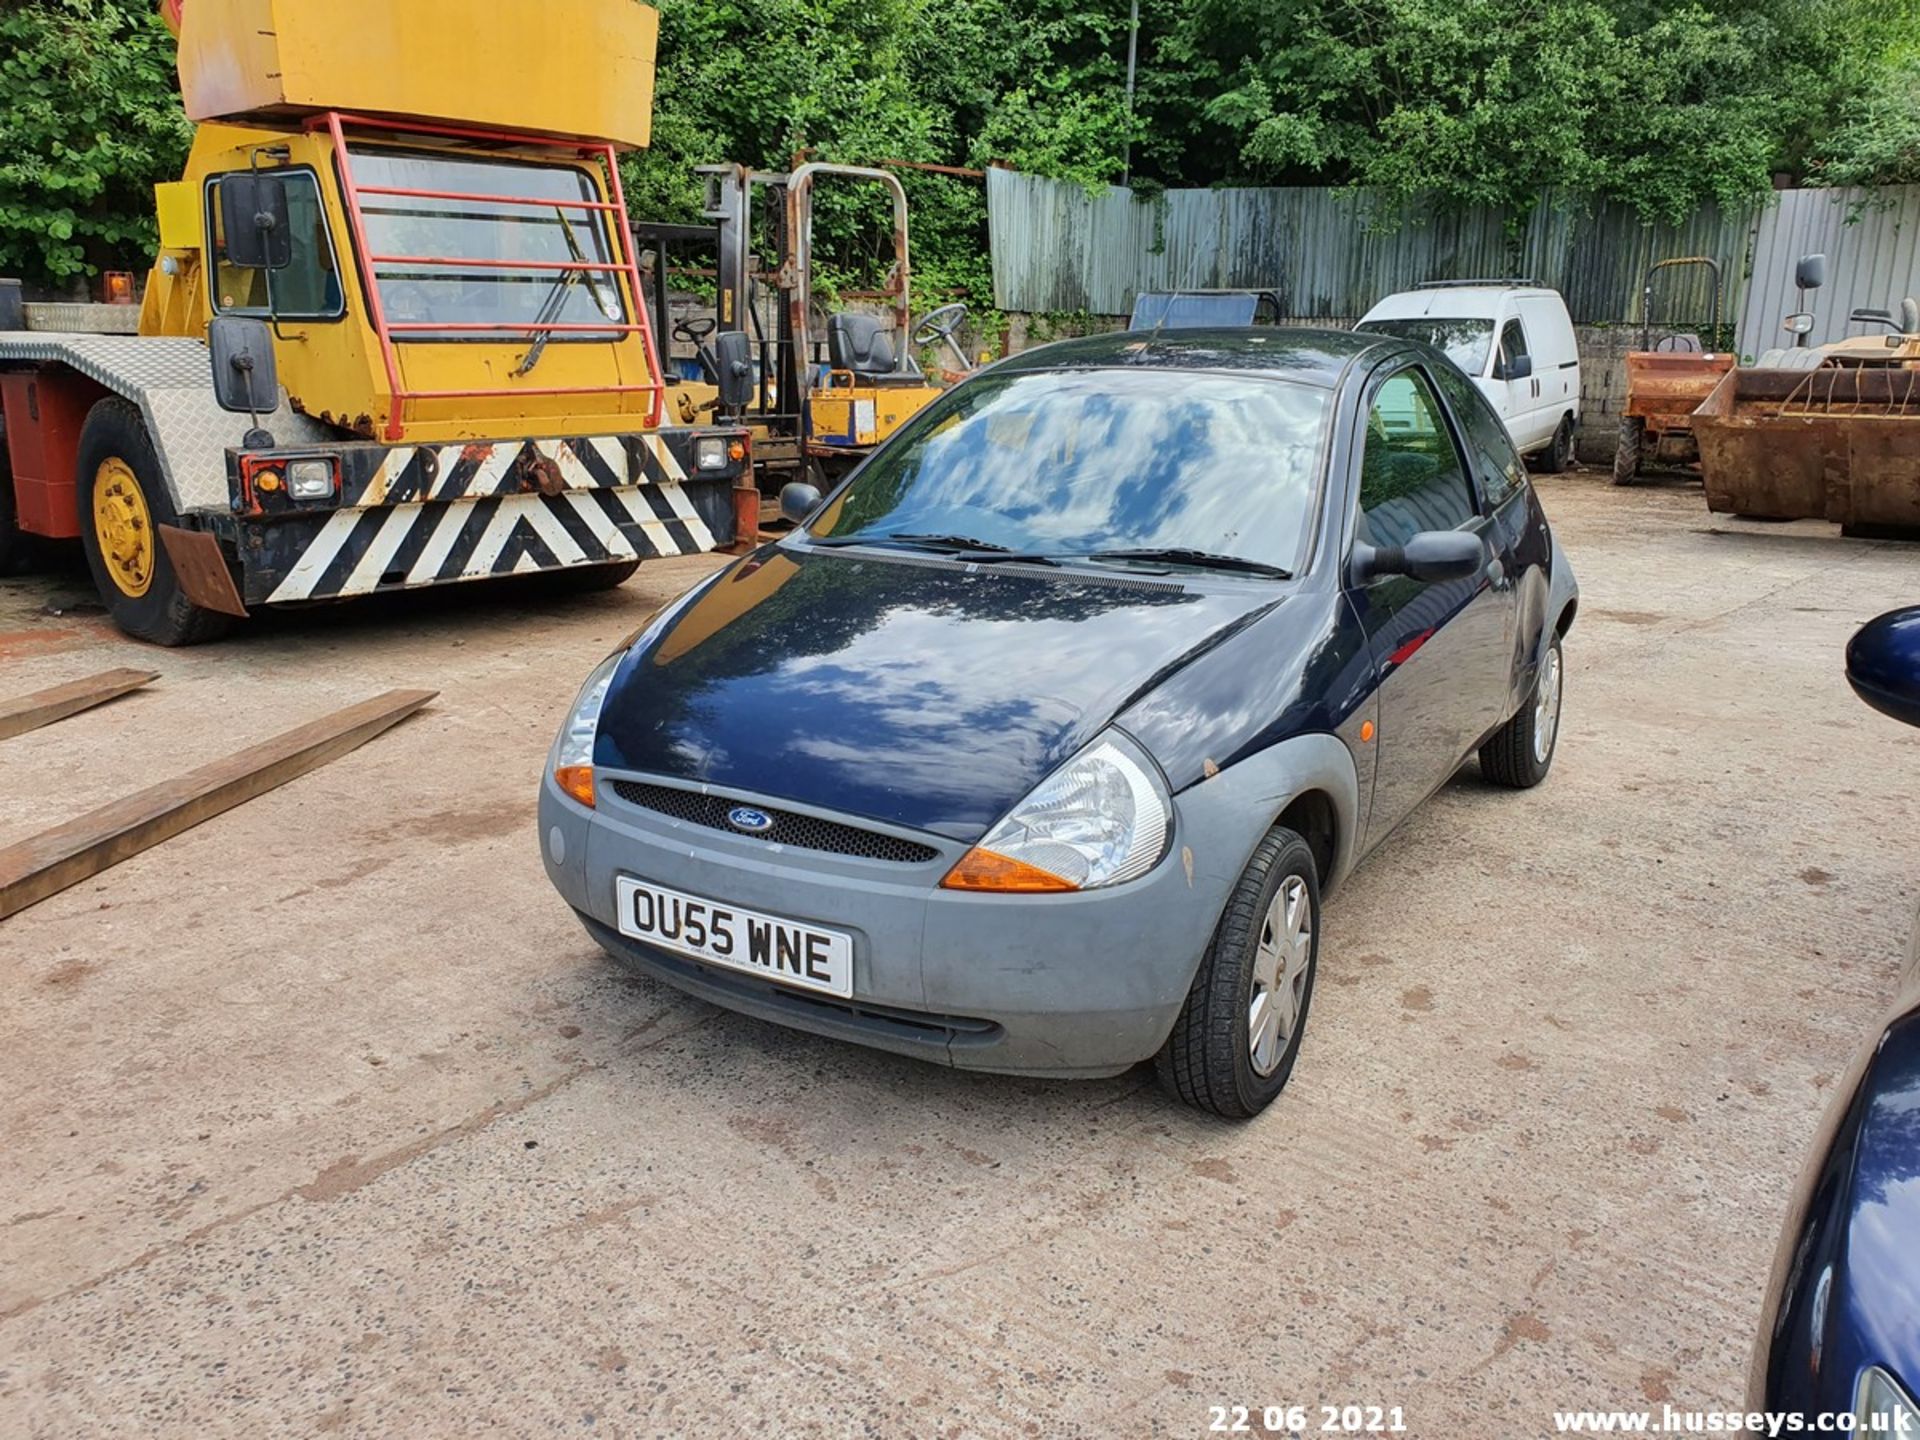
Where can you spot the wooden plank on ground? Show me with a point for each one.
(43, 707)
(47, 863)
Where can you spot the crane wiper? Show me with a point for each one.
(1198, 559)
(556, 298)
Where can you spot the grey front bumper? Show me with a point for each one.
(1081, 984)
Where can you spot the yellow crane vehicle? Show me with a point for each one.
(409, 213)
(827, 389)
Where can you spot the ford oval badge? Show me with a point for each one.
(749, 820)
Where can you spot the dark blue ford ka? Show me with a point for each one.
(1036, 745)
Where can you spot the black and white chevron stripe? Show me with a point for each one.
(396, 546)
(418, 473)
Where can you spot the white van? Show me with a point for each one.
(1514, 338)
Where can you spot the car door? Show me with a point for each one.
(1521, 547)
(1438, 648)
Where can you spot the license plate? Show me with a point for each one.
(805, 956)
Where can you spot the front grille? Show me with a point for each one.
(804, 832)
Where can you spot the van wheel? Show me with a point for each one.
(123, 502)
(1559, 452)
(1626, 450)
(1233, 1047)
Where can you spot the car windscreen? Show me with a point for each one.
(1072, 462)
(1463, 340)
(532, 243)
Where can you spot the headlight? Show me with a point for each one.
(310, 479)
(710, 452)
(1882, 1407)
(1100, 819)
(573, 751)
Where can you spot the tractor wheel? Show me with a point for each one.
(123, 502)
(1626, 452)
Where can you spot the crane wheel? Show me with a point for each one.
(123, 502)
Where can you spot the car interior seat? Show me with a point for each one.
(864, 344)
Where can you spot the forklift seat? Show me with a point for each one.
(863, 344)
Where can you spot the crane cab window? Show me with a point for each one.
(308, 288)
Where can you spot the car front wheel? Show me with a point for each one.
(1233, 1047)
(1521, 751)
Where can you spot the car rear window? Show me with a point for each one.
(1070, 462)
(1463, 340)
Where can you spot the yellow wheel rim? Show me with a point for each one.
(123, 527)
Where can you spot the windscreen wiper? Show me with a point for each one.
(979, 552)
(556, 298)
(1199, 559)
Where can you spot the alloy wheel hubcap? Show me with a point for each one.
(122, 527)
(1279, 975)
(1546, 707)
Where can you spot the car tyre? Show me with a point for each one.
(1521, 751)
(1626, 450)
(137, 580)
(1559, 452)
(1220, 1055)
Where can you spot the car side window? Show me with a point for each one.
(1513, 342)
(1496, 464)
(1411, 475)
(308, 288)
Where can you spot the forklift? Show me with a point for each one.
(822, 397)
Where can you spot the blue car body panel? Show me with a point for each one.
(1847, 1287)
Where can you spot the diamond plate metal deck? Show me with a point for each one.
(169, 379)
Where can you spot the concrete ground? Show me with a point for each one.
(325, 1116)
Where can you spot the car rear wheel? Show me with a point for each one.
(1626, 450)
(1234, 1045)
(123, 504)
(1521, 752)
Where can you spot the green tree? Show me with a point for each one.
(91, 119)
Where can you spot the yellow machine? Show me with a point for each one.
(421, 199)
(828, 394)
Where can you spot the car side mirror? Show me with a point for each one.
(733, 369)
(1811, 272)
(1429, 556)
(798, 500)
(244, 378)
(1518, 368)
(253, 213)
(1883, 664)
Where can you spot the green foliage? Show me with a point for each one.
(91, 120)
(1661, 104)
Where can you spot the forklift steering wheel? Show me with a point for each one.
(939, 324)
(694, 329)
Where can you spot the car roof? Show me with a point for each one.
(1313, 357)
